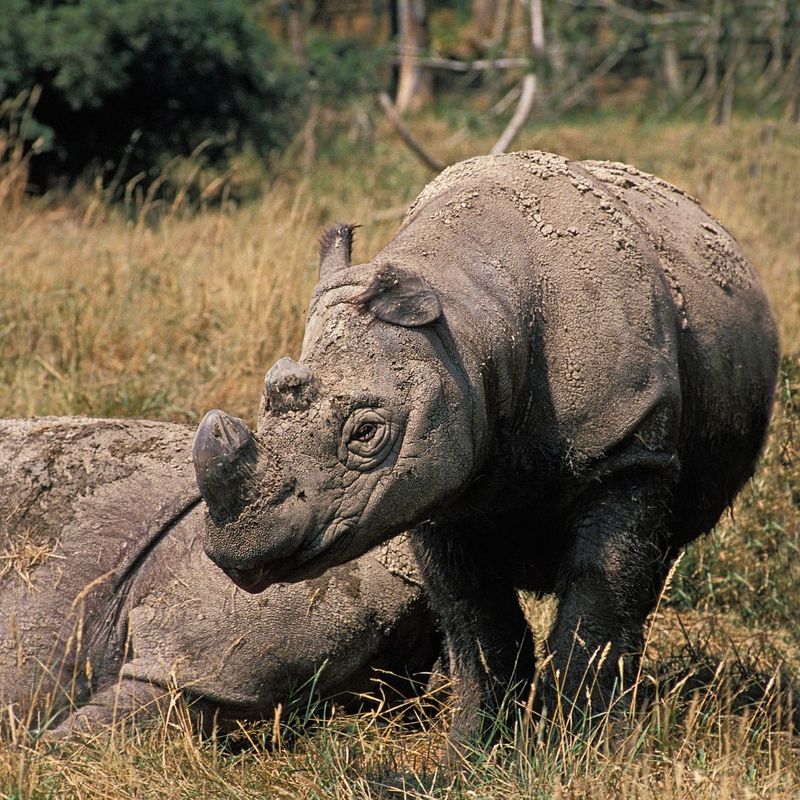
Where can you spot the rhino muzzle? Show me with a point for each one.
(224, 455)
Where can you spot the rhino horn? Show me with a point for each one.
(224, 454)
(335, 248)
(289, 386)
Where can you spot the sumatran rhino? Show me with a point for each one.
(557, 373)
(107, 600)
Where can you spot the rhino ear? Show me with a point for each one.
(335, 248)
(400, 297)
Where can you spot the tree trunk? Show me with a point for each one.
(792, 87)
(483, 13)
(502, 23)
(777, 41)
(414, 83)
(711, 80)
(298, 24)
(673, 75)
(298, 21)
(537, 32)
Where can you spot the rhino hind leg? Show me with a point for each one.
(610, 581)
(489, 642)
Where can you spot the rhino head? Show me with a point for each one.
(369, 434)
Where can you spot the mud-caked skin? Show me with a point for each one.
(556, 373)
(107, 600)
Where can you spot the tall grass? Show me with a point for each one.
(166, 311)
(131, 312)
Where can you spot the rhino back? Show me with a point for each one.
(80, 501)
(728, 353)
(608, 294)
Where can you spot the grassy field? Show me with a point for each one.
(153, 310)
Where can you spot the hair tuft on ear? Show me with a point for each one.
(400, 297)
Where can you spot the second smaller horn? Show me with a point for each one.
(288, 386)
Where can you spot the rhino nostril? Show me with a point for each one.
(284, 492)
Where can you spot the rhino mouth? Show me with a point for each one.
(255, 580)
(307, 563)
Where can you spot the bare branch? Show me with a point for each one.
(603, 68)
(499, 108)
(453, 65)
(405, 134)
(537, 29)
(388, 214)
(505, 102)
(651, 17)
(521, 115)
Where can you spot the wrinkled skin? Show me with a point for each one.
(107, 599)
(557, 373)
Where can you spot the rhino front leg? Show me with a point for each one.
(609, 583)
(490, 646)
(116, 704)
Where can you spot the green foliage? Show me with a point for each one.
(344, 68)
(139, 81)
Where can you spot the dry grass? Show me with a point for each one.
(23, 553)
(154, 312)
(158, 312)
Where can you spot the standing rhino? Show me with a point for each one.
(557, 373)
(107, 599)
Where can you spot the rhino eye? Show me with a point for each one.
(367, 438)
(365, 432)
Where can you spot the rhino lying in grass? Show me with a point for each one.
(107, 599)
(557, 373)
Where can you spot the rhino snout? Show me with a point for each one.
(224, 454)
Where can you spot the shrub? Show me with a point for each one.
(139, 81)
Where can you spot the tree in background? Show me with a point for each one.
(414, 83)
(136, 82)
(129, 84)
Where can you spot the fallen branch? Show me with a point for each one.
(665, 18)
(405, 134)
(528, 92)
(521, 114)
(454, 65)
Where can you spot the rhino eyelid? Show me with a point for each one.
(365, 401)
